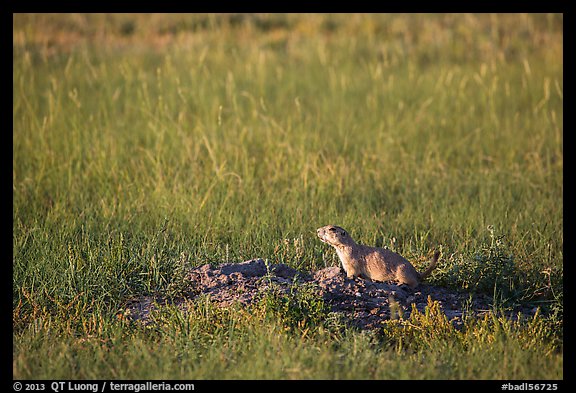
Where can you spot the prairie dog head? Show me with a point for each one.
(335, 236)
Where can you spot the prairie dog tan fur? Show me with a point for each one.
(372, 263)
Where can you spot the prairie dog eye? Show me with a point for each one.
(343, 233)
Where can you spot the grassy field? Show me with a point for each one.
(147, 144)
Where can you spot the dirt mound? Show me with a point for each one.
(364, 304)
(241, 282)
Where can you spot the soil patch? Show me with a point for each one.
(364, 304)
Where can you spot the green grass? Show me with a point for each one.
(146, 144)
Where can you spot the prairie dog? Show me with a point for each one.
(372, 263)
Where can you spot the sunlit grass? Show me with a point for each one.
(145, 142)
